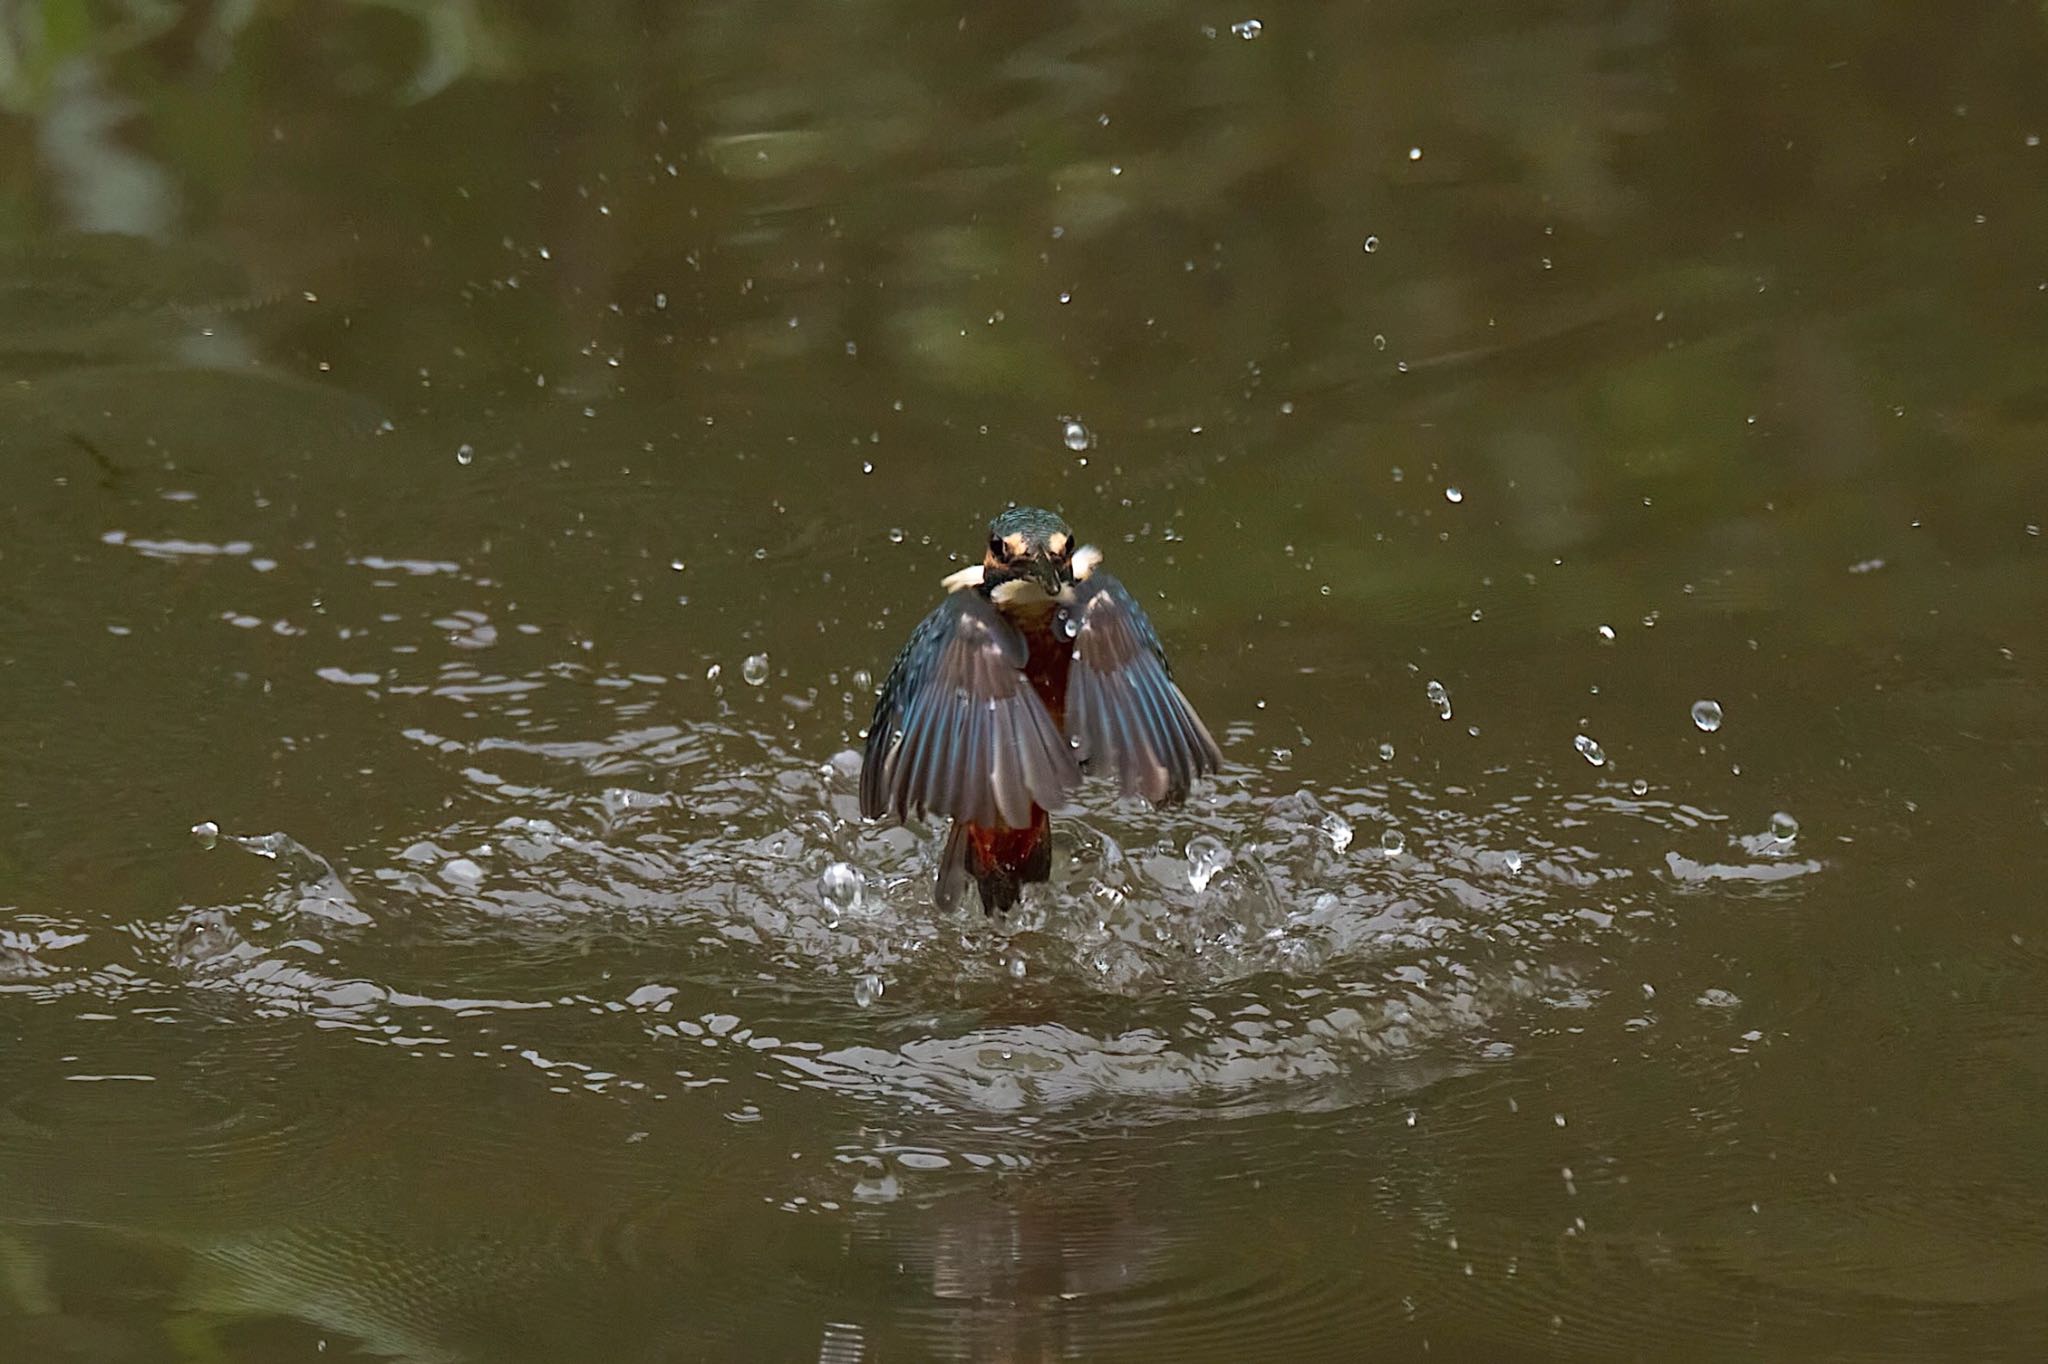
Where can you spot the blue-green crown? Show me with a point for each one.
(1036, 523)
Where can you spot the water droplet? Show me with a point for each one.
(1018, 968)
(1784, 828)
(1247, 29)
(1454, 494)
(895, 535)
(1372, 244)
(755, 669)
(206, 833)
(1415, 153)
(1206, 857)
(1391, 842)
(1338, 830)
(1439, 698)
(1076, 436)
(1069, 626)
(464, 453)
(1639, 787)
(461, 871)
(676, 565)
(1512, 860)
(265, 844)
(1066, 297)
(1386, 753)
(1607, 633)
(867, 990)
(867, 466)
(843, 887)
(1707, 715)
(1590, 751)
(1379, 342)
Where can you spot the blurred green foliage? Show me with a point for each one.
(1654, 252)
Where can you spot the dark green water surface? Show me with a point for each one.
(468, 463)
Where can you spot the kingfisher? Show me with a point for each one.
(1036, 669)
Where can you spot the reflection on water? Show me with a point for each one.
(469, 463)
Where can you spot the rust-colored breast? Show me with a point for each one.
(1052, 654)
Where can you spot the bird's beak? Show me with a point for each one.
(1046, 574)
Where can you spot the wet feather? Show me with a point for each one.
(975, 742)
(1123, 705)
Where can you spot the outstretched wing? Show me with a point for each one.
(959, 731)
(1122, 704)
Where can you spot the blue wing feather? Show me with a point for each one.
(1123, 709)
(956, 702)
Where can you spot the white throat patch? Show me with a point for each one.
(1019, 592)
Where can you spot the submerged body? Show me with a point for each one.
(1036, 669)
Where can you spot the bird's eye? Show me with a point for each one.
(995, 546)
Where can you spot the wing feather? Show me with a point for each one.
(959, 731)
(1123, 708)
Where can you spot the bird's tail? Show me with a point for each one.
(1001, 861)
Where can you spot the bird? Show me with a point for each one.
(1035, 669)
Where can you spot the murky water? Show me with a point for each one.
(468, 466)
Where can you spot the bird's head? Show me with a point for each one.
(1031, 548)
